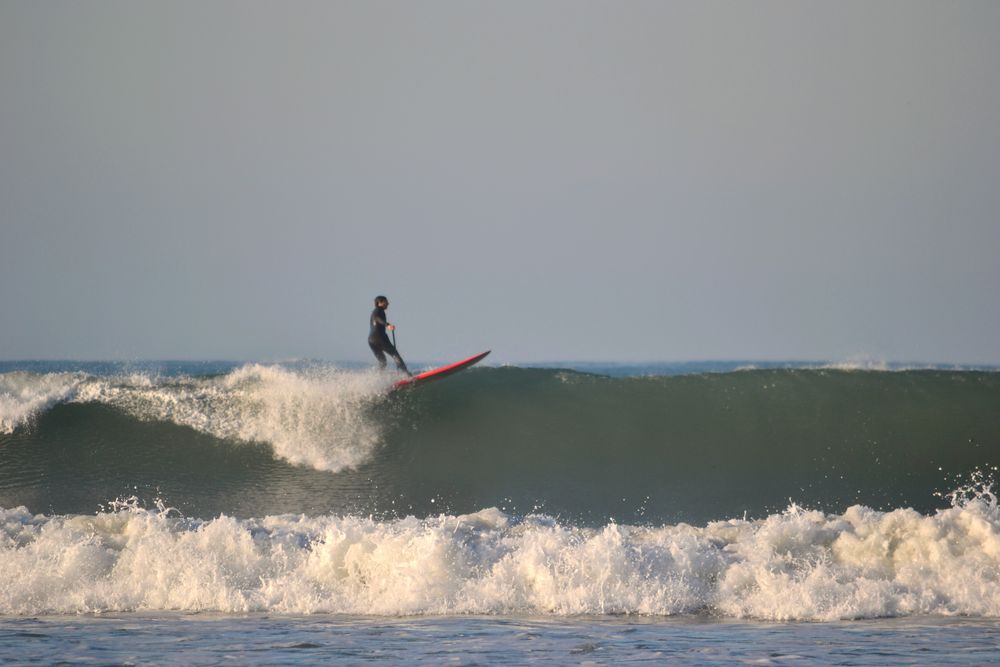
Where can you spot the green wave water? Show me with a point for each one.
(585, 448)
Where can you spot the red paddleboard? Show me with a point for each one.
(444, 371)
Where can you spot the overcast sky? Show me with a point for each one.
(554, 180)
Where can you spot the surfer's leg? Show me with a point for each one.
(391, 350)
(379, 354)
(400, 365)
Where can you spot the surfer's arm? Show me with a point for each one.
(380, 319)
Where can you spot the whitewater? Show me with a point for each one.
(309, 417)
(797, 565)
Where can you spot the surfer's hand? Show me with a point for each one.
(390, 327)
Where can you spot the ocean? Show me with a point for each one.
(300, 512)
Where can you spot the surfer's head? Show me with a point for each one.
(381, 302)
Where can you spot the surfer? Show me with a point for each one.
(378, 341)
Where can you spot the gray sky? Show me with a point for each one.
(553, 180)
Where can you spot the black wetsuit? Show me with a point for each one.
(379, 342)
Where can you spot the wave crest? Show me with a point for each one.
(24, 395)
(315, 417)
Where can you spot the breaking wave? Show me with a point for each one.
(315, 417)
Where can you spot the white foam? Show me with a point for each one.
(313, 417)
(859, 364)
(316, 417)
(795, 565)
(23, 395)
(877, 365)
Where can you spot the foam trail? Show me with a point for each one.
(794, 565)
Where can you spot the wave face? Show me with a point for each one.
(798, 564)
(259, 440)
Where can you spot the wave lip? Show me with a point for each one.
(796, 565)
(315, 416)
(311, 417)
(24, 395)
